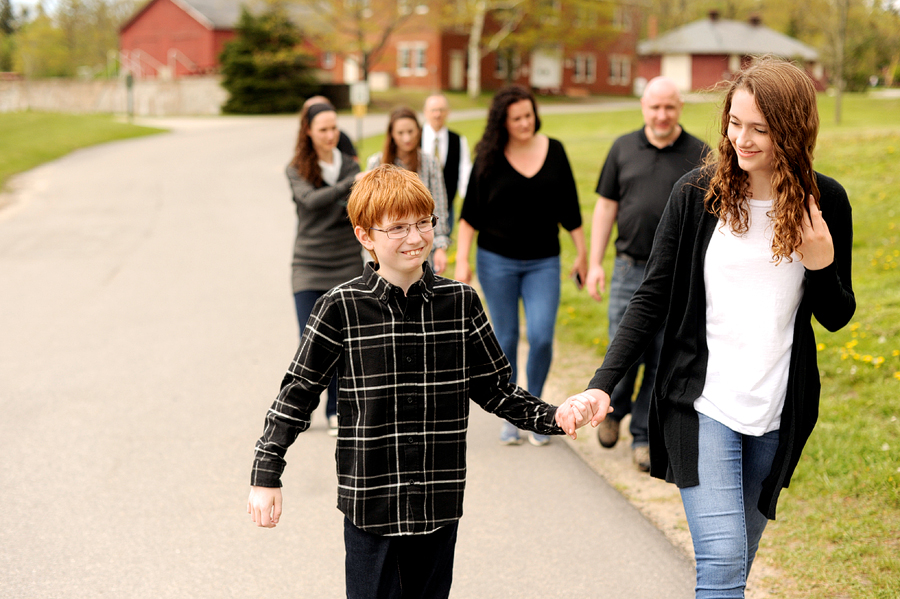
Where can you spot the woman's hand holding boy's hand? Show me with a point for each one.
(588, 406)
(264, 506)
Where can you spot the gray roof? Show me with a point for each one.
(721, 36)
(221, 14)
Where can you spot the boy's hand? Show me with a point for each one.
(264, 506)
(591, 405)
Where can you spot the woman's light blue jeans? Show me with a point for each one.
(721, 511)
(503, 281)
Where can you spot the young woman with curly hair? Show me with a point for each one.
(749, 249)
(326, 252)
(520, 192)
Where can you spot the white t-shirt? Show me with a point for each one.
(751, 306)
(330, 172)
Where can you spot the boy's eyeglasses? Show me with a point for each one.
(400, 231)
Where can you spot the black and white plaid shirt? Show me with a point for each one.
(407, 367)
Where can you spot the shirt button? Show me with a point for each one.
(408, 359)
(409, 400)
(412, 439)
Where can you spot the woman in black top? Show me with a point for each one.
(521, 190)
(748, 250)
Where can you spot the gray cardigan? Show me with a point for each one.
(673, 291)
(326, 252)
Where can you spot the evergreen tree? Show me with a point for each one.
(264, 68)
(7, 19)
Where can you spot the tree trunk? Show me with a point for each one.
(843, 7)
(473, 72)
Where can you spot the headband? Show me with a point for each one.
(317, 109)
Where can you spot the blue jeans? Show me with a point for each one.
(536, 282)
(626, 278)
(407, 567)
(722, 512)
(304, 301)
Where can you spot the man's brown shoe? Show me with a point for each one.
(608, 432)
(640, 455)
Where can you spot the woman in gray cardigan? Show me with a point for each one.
(326, 252)
(748, 251)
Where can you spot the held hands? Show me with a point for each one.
(264, 506)
(591, 405)
(816, 246)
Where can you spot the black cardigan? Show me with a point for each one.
(673, 291)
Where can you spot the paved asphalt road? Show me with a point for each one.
(145, 323)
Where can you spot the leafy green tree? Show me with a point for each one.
(7, 18)
(77, 34)
(7, 41)
(264, 67)
(525, 25)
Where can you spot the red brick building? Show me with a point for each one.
(174, 38)
(424, 55)
(701, 54)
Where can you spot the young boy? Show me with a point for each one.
(410, 350)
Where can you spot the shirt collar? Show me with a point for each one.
(382, 289)
(646, 142)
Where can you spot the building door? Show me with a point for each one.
(546, 68)
(457, 70)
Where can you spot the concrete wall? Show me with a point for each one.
(150, 97)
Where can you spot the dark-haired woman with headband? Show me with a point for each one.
(326, 252)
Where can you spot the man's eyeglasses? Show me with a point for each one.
(400, 231)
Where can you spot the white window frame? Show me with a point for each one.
(585, 68)
(622, 18)
(412, 59)
(619, 70)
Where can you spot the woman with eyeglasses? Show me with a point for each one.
(326, 252)
(520, 192)
(402, 148)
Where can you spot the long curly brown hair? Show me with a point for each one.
(786, 97)
(389, 151)
(495, 137)
(305, 159)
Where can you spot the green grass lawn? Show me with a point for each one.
(33, 138)
(838, 527)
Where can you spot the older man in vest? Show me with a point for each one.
(450, 148)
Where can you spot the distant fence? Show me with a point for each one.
(201, 95)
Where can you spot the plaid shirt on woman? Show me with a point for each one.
(407, 366)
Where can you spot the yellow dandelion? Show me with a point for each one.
(895, 353)
(820, 347)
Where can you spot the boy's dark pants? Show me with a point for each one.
(408, 567)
